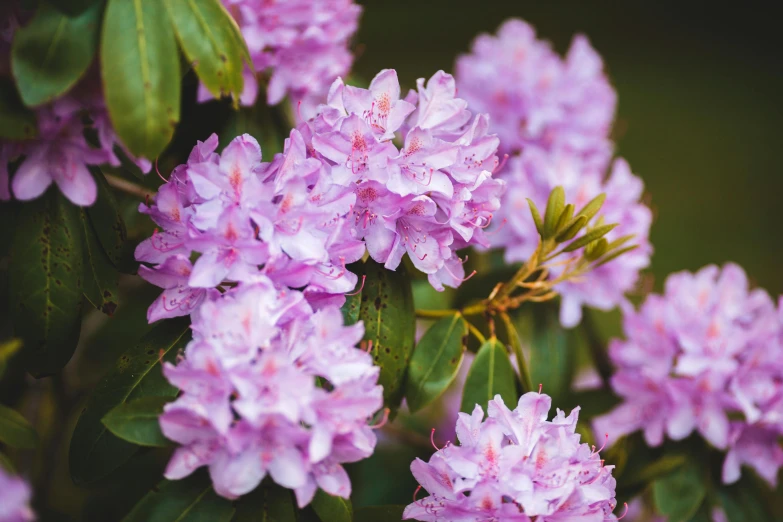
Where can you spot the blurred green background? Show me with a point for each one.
(699, 106)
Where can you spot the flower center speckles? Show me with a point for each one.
(367, 194)
(286, 203)
(235, 179)
(413, 147)
(417, 210)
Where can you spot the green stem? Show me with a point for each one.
(530, 266)
(475, 309)
(516, 346)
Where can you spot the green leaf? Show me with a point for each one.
(490, 374)
(592, 207)
(15, 430)
(536, 216)
(188, 500)
(660, 467)
(100, 276)
(7, 350)
(551, 360)
(94, 451)
(617, 253)
(207, 35)
(52, 52)
(353, 300)
(46, 281)
(267, 503)
(332, 509)
(554, 208)
(109, 226)
(6, 464)
(436, 361)
(390, 324)
(17, 122)
(589, 237)
(379, 514)
(141, 77)
(572, 229)
(742, 502)
(679, 494)
(137, 421)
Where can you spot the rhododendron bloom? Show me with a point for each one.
(14, 499)
(534, 97)
(271, 387)
(340, 186)
(514, 465)
(303, 44)
(705, 356)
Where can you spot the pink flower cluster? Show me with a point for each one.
(554, 117)
(340, 186)
(304, 44)
(514, 465)
(269, 386)
(240, 214)
(536, 98)
(60, 152)
(706, 356)
(14, 499)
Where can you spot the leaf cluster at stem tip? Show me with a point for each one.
(561, 224)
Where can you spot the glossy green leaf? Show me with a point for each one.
(742, 501)
(390, 324)
(15, 431)
(679, 494)
(52, 52)
(7, 350)
(267, 503)
(207, 35)
(551, 359)
(141, 77)
(490, 374)
(137, 421)
(100, 276)
(46, 281)
(17, 122)
(379, 514)
(109, 226)
(188, 500)
(94, 451)
(332, 509)
(436, 361)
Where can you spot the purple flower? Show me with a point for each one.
(706, 357)
(271, 387)
(429, 198)
(60, 154)
(14, 499)
(304, 44)
(534, 97)
(339, 188)
(514, 465)
(533, 175)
